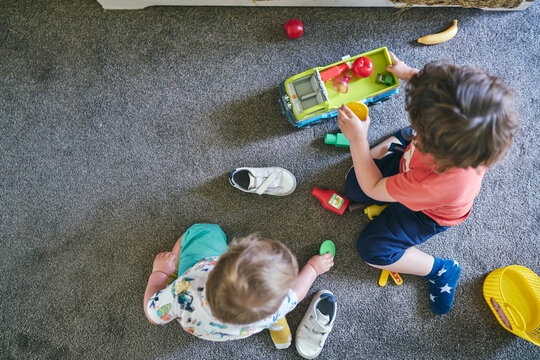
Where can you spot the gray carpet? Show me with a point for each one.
(118, 130)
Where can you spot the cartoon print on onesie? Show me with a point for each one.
(180, 289)
(154, 299)
(213, 332)
(218, 325)
(194, 322)
(162, 312)
(247, 331)
(204, 264)
(202, 295)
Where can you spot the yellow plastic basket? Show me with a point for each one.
(513, 294)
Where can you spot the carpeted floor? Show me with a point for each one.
(118, 130)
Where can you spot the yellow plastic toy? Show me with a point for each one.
(513, 294)
(374, 210)
(359, 109)
(281, 336)
(172, 277)
(383, 279)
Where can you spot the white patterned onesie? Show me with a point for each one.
(185, 300)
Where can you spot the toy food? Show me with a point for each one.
(341, 84)
(383, 279)
(328, 246)
(335, 71)
(394, 275)
(359, 109)
(440, 37)
(294, 28)
(362, 67)
(331, 200)
(374, 210)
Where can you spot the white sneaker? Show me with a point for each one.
(268, 180)
(316, 325)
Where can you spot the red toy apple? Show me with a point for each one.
(294, 28)
(362, 67)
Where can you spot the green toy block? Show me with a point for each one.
(339, 140)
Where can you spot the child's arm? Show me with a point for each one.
(400, 69)
(367, 173)
(317, 265)
(164, 266)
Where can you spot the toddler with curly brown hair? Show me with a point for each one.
(462, 122)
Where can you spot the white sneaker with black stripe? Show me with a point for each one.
(265, 180)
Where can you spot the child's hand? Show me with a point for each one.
(321, 263)
(351, 126)
(165, 263)
(400, 69)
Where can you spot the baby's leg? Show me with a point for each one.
(388, 243)
(443, 276)
(177, 249)
(413, 261)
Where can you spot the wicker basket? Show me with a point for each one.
(465, 3)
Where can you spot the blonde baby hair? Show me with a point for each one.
(250, 280)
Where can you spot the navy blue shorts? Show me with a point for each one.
(397, 228)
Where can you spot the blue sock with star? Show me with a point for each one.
(443, 280)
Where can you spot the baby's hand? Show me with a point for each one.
(165, 262)
(351, 126)
(321, 263)
(400, 69)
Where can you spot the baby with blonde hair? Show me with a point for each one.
(227, 293)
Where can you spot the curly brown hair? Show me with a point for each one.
(250, 280)
(463, 116)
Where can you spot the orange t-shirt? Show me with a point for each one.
(447, 198)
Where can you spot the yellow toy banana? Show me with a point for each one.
(440, 37)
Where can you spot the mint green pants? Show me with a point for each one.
(199, 242)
